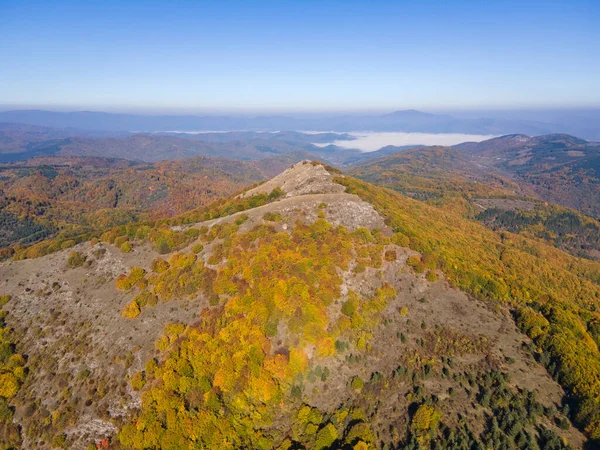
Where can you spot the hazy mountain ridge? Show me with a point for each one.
(408, 120)
(19, 143)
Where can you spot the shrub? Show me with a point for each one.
(431, 276)
(4, 299)
(326, 437)
(125, 247)
(363, 235)
(426, 418)
(126, 282)
(272, 217)
(192, 233)
(415, 263)
(276, 193)
(390, 255)
(326, 347)
(145, 298)
(6, 253)
(9, 385)
(404, 311)
(182, 259)
(401, 240)
(197, 248)
(109, 236)
(131, 310)
(165, 240)
(75, 259)
(563, 423)
(349, 307)
(341, 346)
(159, 265)
(241, 219)
(120, 241)
(67, 244)
(99, 253)
(59, 441)
(357, 383)
(532, 322)
(138, 381)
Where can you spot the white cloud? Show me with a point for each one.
(371, 141)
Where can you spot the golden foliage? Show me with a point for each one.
(219, 381)
(426, 418)
(514, 269)
(131, 310)
(126, 282)
(9, 385)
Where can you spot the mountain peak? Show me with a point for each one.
(559, 138)
(409, 113)
(305, 177)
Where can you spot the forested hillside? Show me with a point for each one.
(329, 314)
(558, 168)
(441, 175)
(69, 197)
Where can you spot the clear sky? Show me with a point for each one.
(191, 56)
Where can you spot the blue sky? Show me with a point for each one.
(192, 56)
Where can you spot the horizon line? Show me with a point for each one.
(170, 111)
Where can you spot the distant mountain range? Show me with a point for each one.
(558, 168)
(20, 142)
(578, 123)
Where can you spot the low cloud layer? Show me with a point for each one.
(371, 141)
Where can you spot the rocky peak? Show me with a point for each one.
(302, 178)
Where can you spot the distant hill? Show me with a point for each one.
(559, 168)
(433, 172)
(287, 136)
(369, 156)
(403, 120)
(501, 200)
(72, 195)
(21, 142)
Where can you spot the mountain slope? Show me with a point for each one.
(433, 172)
(559, 168)
(448, 176)
(46, 197)
(315, 311)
